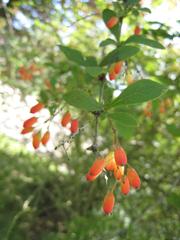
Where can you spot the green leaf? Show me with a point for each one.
(121, 53)
(90, 61)
(94, 71)
(106, 42)
(145, 41)
(73, 54)
(107, 14)
(174, 130)
(123, 118)
(138, 92)
(174, 199)
(123, 131)
(81, 100)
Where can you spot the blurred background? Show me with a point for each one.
(44, 194)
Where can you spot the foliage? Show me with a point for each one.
(64, 58)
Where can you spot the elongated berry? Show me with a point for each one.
(74, 126)
(90, 177)
(45, 138)
(112, 76)
(118, 67)
(110, 162)
(36, 108)
(133, 177)
(97, 167)
(27, 130)
(120, 156)
(112, 22)
(137, 30)
(29, 122)
(108, 203)
(118, 172)
(125, 186)
(36, 140)
(66, 119)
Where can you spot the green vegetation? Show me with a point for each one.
(60, 54)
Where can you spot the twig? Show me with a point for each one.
(82, 18)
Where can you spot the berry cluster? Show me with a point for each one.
(27, 73)
(29, 126)
(163, 106)
(124, 175)
(115, 69)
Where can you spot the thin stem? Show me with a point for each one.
(97, 114)
(82, 18)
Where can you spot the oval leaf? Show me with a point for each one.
(123, 118)
(121, 53)
(145, 41)
(94, 71)
(107, 14)
(106, 42)
(73, 54)
(138, 92)
(123, 131)
(81, 100)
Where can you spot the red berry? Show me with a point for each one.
(97, 167)
(36, 108)
(137, 30)
(90, 177)
(120, 156)
(118, 67)
(125, 186)
(112, 22)
(29, 122)
(36, 140)
(27, 130)
(66, 119)
(74, 126)
(108, 203)
(112, 76)
(133, 177)
(45, 138)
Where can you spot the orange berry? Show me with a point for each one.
(120, 156)
(108, 203)
(74, 126)
(97, 167)
(118, 173)
(125, 186)
(66, 119)
(110, 162)
(137, 30)
(90, 177)
(36, 139)
(45, 138)
(112, 76)
(118, 67)
(112, 22)
(133, 177)
(147, 113)
(22, 71)
(27, 130)
(36, 108)
(29, 122)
